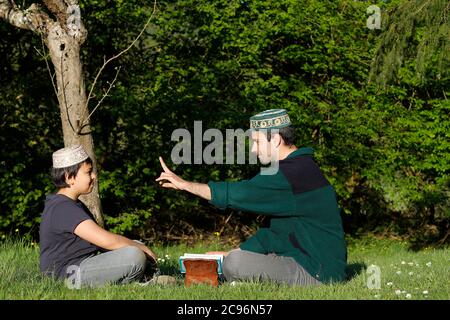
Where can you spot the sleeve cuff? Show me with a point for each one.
(76, 224)
(219, 194)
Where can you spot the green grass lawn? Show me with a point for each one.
(404, 275)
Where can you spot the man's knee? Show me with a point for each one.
(231, 264)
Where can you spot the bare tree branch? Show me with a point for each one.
(111, 59)
(63, 89)
(44, 56)
(100, 102)
(33, 18)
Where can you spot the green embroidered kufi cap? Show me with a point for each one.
(270, 119)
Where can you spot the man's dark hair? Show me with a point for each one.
(59, 174)
(287, 133)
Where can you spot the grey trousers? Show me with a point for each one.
(119, 266)
(246, 265)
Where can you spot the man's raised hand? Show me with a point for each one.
(168, 179)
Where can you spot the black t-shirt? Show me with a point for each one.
(59, 246)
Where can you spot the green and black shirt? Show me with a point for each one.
(305, 221)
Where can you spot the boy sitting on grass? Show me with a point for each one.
(70, 239)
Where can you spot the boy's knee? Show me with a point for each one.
(231, 264)
(135, 254)
(136, 258)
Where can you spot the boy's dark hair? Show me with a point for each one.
(59, 174)
(287, 133)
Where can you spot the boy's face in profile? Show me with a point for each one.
(83, 182)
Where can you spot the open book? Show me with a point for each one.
(201, 256)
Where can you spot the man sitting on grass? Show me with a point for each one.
(304, 242)
(71, 242)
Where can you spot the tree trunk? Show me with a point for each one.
(65, 55)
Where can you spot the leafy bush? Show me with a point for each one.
(385, 151)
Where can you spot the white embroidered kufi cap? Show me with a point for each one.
(69, 156)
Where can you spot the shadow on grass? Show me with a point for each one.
(354, 269)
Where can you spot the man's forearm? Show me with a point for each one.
(199, 189)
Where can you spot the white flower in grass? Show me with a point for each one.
(410, 263)
(389, 284)
(377, 296)
(403, 291)
(428, 264)
(167, 256)
(425, 292)
(403, 262)
(398, 292)
(410, 273)
(408, 296)
(398, 272)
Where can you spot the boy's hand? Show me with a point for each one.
(151, 255)
(168, 179)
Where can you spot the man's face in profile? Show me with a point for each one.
(264, 149)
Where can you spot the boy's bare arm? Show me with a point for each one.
(168, 179)
(93, 233)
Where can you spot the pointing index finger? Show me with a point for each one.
(164, 165)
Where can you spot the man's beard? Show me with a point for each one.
(265, 160)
